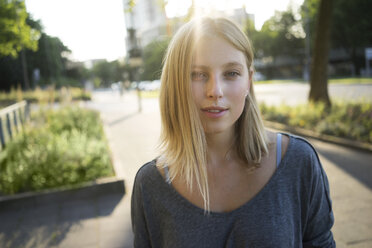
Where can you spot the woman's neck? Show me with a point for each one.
(220, 147)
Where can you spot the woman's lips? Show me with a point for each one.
(214, 112)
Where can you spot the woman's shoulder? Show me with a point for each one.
(146, 172)
(302, 155)
(299, 146)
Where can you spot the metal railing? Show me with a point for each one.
(12, 120)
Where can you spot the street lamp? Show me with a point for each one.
(134, 52)
(307, 43)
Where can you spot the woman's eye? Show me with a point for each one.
(199, 76)
(232, 74)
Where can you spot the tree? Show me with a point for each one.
(50, 57)
(152, 57)
(49, 60)
(254, 37)
(15, 34)
(319, 63)
(282, 34)
(352, 29)
(281, 37)
(108, 72)
(78, 72)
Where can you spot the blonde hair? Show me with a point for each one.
(183, 143)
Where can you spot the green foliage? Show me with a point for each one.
(346, 120)
(15, 34)
(279, 43)
(351, 80)
(281, 35)
(309, 13)
(351, 27)
(49, 58)
(42, 96)
(59, 82)
(67, 147)
(153, 55)
(357, 33)
(78, 72)
(108, 72)
(130, 4)
(347, 80)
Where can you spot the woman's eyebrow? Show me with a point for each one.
(234, 64)
(201, 66)
(230, 64)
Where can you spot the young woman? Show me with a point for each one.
(221, 179)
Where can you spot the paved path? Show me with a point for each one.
(132, 136)
(105, 221)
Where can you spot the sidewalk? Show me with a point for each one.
(104, 220)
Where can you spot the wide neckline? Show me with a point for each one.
(186, 203)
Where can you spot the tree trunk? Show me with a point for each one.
(26, 82)
(318, 76)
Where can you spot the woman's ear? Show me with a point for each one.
(250, 72)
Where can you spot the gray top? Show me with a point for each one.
(292, 210)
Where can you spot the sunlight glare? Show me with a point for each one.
(262, 9)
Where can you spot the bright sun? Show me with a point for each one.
(262, 9)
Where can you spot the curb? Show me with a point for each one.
(323, 137)
(97, 188)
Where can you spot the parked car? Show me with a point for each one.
(149, 86)
(143, 85)
(258, 76)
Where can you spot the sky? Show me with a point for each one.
(95, 29)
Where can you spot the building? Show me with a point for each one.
(145, 21)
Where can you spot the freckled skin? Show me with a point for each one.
(220, 77)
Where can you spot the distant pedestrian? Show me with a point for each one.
(222, 179)
(121, 89)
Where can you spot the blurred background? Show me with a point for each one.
(79, 85)
(97, 43)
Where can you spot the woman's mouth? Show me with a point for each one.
(214, 112)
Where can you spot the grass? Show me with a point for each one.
(350, 80)
(347, 120)
(150, 94)
(48, 95)
(64, 147)
(279, 81)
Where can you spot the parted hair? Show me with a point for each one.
(183, 145)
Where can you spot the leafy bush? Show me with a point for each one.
(347, 120)
(66, 147)
(43, 96)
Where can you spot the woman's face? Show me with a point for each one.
(220, 82)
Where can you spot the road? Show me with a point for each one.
(297, 93)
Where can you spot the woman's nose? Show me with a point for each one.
(214, 87)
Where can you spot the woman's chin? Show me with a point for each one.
(215, 130)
